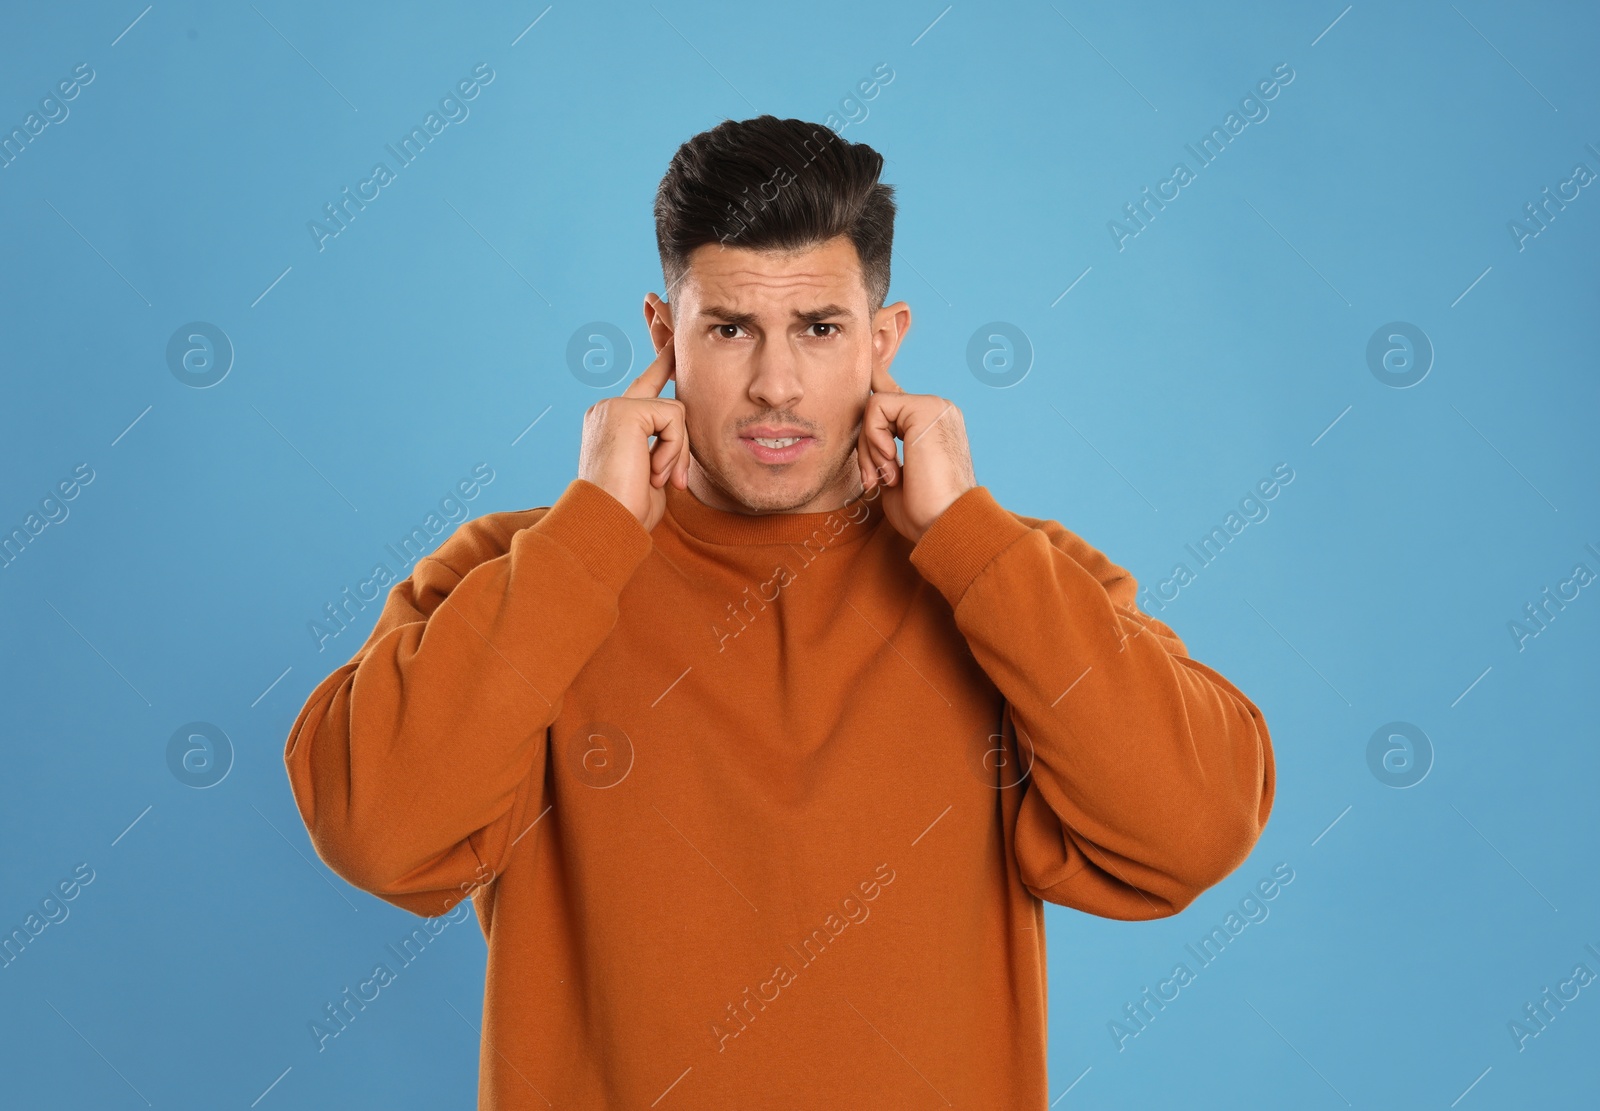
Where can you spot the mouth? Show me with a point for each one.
(784, 449)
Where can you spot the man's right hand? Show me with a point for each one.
(617, 455)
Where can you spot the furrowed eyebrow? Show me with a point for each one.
(824, 313)
(748, 319)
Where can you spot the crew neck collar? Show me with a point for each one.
(717, 526)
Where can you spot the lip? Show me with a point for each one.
(776, 455)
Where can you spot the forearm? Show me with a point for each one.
(1152, 775)
(426, 735)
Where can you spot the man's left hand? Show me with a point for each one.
(938, 461)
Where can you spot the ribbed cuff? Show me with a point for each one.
(965, 539)
(599, 531)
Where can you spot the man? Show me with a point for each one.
(761, 748)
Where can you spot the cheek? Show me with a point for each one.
(699, 431)
(706, 418)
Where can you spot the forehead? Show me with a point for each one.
(746, 278)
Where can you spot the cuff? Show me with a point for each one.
(965, 539)
(599, 531)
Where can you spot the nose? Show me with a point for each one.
(775, 383)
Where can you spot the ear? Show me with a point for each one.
(889, 326)
(658, 318)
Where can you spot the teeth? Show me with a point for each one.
(777, 443)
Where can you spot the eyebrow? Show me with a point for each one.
(748, 319)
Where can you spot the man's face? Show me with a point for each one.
(780, 344)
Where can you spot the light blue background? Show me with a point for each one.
(1226, 338)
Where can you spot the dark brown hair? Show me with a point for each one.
(766, 183)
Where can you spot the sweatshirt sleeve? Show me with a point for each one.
(1152, 775)
(416, 764)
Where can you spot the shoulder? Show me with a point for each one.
(483, 538)
(1082, 551)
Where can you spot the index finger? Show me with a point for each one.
(882, 382)
(654, 378)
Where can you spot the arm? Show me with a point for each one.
(1153, 775)
(416, 764)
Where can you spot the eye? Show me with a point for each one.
(830, 335)
(719, 327)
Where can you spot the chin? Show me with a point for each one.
(772, 492)
(777, 496)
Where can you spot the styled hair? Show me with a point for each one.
(766, 183)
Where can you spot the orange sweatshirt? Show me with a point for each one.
(761, 810)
